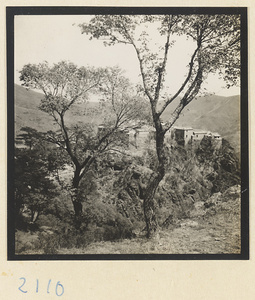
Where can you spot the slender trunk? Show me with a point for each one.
(34, 217)
(80, 171)
(76, 202)
(150, 205)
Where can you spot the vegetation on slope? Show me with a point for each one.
(193, 192)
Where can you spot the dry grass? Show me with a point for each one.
(212, 234)
(216, 230)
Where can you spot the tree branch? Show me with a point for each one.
(146, 89)
(188, 96)
(67, 142)
(191, 64)
(161, 69)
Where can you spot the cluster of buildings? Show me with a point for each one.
(184, 135)
(141, 137)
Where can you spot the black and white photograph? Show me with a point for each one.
(127, 133)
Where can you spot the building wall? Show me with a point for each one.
(188, 134)
(198, 136)
(184, 135)
(179, 136)
(144, 137)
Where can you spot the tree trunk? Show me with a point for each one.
(150, 205)
(34, 217)
(76, 202)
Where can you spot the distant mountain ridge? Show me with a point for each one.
(27, 112)
(212, 113)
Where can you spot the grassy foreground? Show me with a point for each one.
(215, 230)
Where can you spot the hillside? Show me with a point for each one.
(26, 104)
(198, 208)
(198, 200)
(27, 112)
(213, 113)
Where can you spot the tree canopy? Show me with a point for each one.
(215, 47)
(65, 85)
(216, 43)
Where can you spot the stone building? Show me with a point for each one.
(143, 137)
(183, 135)
(198, 135)
(121, 136)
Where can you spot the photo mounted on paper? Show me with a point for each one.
(128, 133)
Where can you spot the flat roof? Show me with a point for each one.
(200, 132)
(183, 128)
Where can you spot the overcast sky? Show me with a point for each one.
(55, 38)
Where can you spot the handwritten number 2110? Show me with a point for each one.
(59, 290)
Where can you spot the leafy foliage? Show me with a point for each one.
(116, 192)
(34, 190)
(216, 48)
(65, 85)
